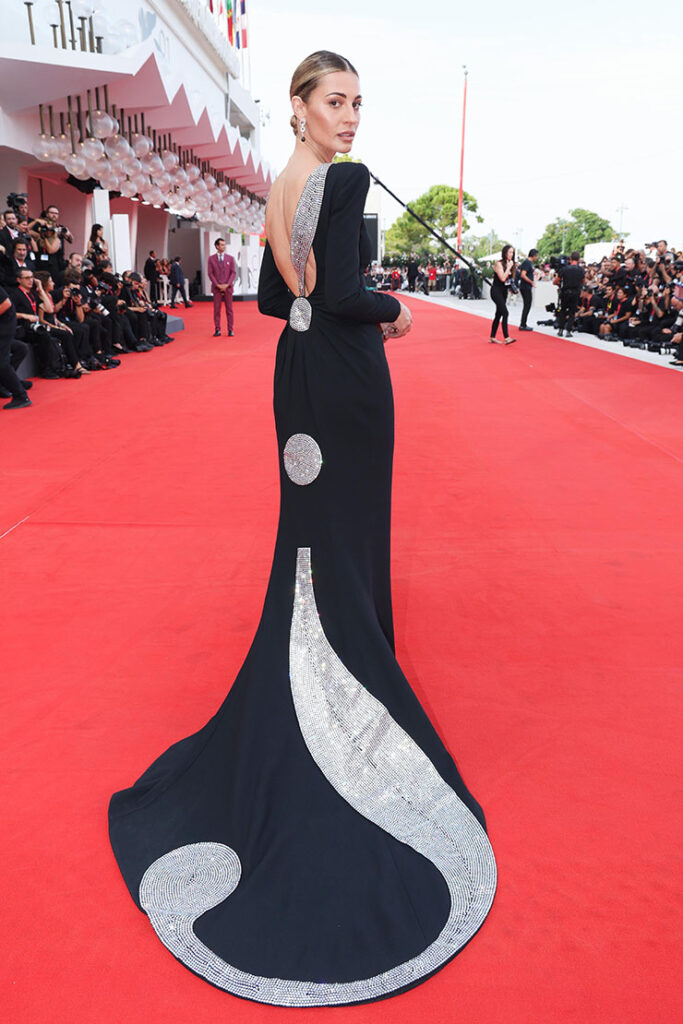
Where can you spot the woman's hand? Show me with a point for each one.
(401, 325)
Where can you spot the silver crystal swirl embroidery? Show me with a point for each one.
(303, 232)
(302, 458)
(381, 772)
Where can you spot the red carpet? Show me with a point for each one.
(537, 585)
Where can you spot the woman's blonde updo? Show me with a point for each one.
(310, 71)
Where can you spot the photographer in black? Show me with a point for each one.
(10, 384)
(153, 320)
(49, 355)
(50, 237)
(59, 330)
(569, 280)
(526, 286)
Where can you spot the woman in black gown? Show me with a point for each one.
(314, 844)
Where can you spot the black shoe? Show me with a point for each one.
(560, 334)
(525, 328)
(172, 306)
(27, 384)
(50, 375)
(168, 338)
(4, 393)
(231, 334)
(19, 403)
(110, 361)
(217, 333)
(188, 305)
(145, 346)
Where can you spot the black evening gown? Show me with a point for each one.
(314, 844)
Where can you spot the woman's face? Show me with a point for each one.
(332, 112)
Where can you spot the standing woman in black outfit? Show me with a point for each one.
(503, 277)
(314, 844)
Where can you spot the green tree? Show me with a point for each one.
(439, 207)
(478, 246)
(576, 232)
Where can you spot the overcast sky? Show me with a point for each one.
(572, 104)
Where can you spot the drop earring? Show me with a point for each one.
(302, 128)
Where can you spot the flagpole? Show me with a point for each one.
(462, 160)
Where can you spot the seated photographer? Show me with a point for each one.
(122, 323)
(59, 330)
(49, 355)
(73, 306)
(94, 309)
(591, 304)
(11, 386)
(618, 312)
(156, 318)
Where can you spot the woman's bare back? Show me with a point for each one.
(282, 203)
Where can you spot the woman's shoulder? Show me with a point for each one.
(349, 179)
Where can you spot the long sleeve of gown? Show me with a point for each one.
(274, 297)
(345, 292)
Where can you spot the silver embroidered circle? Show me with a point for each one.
(302, 458)
(300, 314)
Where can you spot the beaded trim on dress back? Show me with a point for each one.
(303, 232)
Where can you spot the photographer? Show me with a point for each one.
(10, 383)
(50, 237)
(569, 278)
(155, 318)
(58, 330)
(526, 286)
(97, 250)
(619, 311)
(26, 301)
(111, 298)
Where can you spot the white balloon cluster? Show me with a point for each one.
(132, 167)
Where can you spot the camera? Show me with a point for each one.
(16, 199)
(557, 262)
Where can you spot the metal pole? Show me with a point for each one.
(462, 160)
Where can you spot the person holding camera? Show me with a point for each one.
(570, 279)
(504, 274)
(97, 249)
(50, 237)
(526, 286)
(26, 300)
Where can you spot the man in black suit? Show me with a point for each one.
(412, 272)
(19, 259)
(9, 232)
(152, 275)
(526, 286)
(570, 279)
(177, 281)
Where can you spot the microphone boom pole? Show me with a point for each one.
(429, 228)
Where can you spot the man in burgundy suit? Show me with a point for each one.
(222, 276)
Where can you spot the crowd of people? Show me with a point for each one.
(633, 297)
(415, 275)
(74, 312)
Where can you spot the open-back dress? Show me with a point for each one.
(314, 843)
